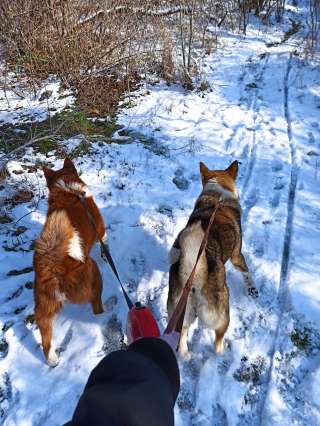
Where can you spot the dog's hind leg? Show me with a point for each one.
(44, 320)
(97, 286)
(175, 288)
(219, 341)
(175, 291)
(175, 251)
(239, 262)
(216, 312)
(183, 343)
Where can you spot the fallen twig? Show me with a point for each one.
(7, 157)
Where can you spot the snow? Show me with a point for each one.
(22, 106)
(262, 109)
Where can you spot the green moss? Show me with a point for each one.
(204, 86)
(128, 104)
(250, 371)
(36, 58)
(30, 319)
(46, 146)
(4, 218)
(301, 338)
(72, 122)
(82, 149)
(134, 136)
(77, 122)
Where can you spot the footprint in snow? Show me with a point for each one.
(180, 180)
(279, 183)
(311, 138)
(114, 337)
(225, 361)
(218, 417)
(251, 200)
(258, 249)
(4, 348)
(110, 303)
(276, 166)
(165, 210)
(275, 199)
(139, 264)
(66, 340)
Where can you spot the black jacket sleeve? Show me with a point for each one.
(136, 387)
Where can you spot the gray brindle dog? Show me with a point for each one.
(209, 298)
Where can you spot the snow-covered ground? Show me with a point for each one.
(263, 109)
(19, 105)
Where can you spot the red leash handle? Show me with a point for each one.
(141, 323)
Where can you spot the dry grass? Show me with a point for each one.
(101, 48)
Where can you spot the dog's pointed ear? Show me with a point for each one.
(233, 170)
(68, 164)
(48, 173)
(204, 171)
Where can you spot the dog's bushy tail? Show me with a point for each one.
(53, 245)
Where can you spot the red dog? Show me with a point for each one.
(64, 271)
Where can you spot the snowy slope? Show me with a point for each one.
(263, 109)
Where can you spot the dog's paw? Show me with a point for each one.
(185, 356)
(252, 291)
(183, 350)
(219, 347)
(53, 358)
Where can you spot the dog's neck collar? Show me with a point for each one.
(213, 186)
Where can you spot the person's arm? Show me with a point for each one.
(135, 387)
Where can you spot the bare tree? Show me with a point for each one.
(100, 48)
(314, 25)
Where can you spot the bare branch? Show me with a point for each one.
(4, 159)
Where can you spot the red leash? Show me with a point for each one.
(176, 321)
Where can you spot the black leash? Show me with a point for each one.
(105, 251)
(106, 256)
